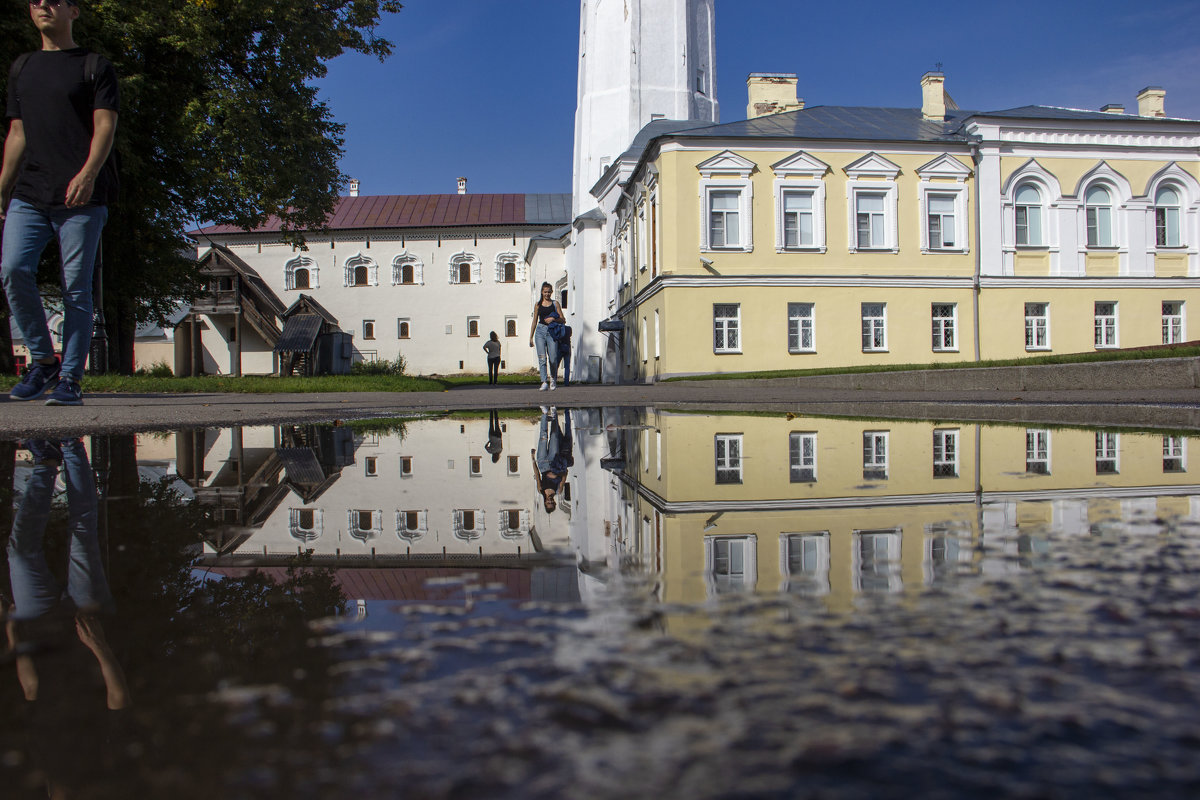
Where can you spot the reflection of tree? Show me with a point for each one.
(182, 638)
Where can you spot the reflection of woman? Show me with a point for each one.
(546, 311)
(553, 456)
(495, 443)
(57, 635)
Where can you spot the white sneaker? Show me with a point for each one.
(545, 386)
(553, 385)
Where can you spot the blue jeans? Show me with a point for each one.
(27, 231)
(35, 591)
(547, 351)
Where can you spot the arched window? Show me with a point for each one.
(361, 271)
(1166, 217)
(1098, 208)
(360, 276)
(464, 272)
(407, 270)
(1028, 208)
(300, 273)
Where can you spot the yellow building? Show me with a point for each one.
(846, 236)
(846, 508)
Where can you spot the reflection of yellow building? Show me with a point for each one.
(839, 236)
(843, 508)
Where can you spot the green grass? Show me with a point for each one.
(1181, 351)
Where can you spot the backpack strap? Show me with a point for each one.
(15, 72)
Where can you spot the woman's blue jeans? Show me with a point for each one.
(27, 231)
(547, 351)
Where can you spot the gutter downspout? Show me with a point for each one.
(976, 157)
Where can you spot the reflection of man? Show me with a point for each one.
(57, 633)
(553, 456)
(495, 443)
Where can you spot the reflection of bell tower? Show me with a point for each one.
(639, 60)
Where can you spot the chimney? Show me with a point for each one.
(462, 185)
(1113, 108)
(354, 187)
(933, 96)
(771, 93)
(1150, 102)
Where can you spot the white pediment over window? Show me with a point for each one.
(1173, 173)
(1106, 174)
(945, 167)
(1032, 169)
(726, 163)
(873, 165)
(800, 165)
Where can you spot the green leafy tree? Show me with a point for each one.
(219, 123)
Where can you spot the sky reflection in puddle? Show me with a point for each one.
(712, 605)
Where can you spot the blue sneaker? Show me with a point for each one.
(67, 393)
(37, 378)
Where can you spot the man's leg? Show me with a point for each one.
(78, 235)
(86, 582)
(34, 589)
(27, 231)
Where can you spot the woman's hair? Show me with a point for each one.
(547, 285)
(495, 338)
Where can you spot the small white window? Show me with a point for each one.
(1037, 452)
(945, 327)
(1106, 324)
(1099, 212)
(728, 451)
(645, 343)
(1037, 326)
(724, 212)
(1107, 449)
(306, 524)
(874, 327)
(407, 270)
(1166, 217)
(300, 273)
(361, 271)
(876, 566)
(870, 220)
(368, 329)
(730, 563)
(945, 453)
(1028, 208)
(875, 455)
(1174, 454)
(1172, 322)
(802, 453)
(941, 229)
(412, 524)
(406, 466)
(403, 328)
(371, 467)
(798, 219)
(805, 564)
(510, 326)
(472, 327)
(476, 466)
(801, 328)
(727, 328)
(364, 525)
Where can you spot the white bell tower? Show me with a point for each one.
(639, 60)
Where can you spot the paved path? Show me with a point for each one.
(1162, 396)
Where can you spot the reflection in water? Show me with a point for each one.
(853, 608)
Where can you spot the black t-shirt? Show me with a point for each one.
(54, 100)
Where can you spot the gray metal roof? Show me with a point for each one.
(854, 123)
(547, 209)
(299, 333)
(1053, 112)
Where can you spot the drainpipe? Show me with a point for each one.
(976, 158)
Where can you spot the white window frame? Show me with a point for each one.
(401, 321)
(727, 458)
(723, 325)
(1174, 323)
(412, 534)
(815, 580)
(889, 569)
(301, 262)
(1093, 214)
(516, 327)
(1106, 326)
(945, 176)
(877, 324)
(504, 523)
(1108, 453)
(873, 174)
(359, 260)
(727, 172)
(368, 326)
(464, 257)
(875, 455)
(801, 322)
(520, 270)
(360, 533)
(800, 172)
(1163, 218)
(1174, 454)
(941, 325)
(802, 467)
(308, 534)
(1040, 208)
(418, 269)
(645, 341)
(958, 224)
(1037, 451)
(945, 452)
(478, 524)
(747, 543)
(1032, 325)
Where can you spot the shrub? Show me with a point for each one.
(159, 369)
(396, 367)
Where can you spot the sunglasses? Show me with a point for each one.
(51, 3)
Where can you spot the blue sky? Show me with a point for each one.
(486, 88)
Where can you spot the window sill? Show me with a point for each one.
(1105, 248)
(1037, 349)
(868, 250)
(1108, 347)
(1031, 248)
(802, 352)
(727, 352)
(946, 350)
(1168, 248)
(952, 251)
(806, 249)
(876, 351)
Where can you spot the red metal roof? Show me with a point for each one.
(407, 583)
(410, 211)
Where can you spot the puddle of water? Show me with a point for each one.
(724, 605)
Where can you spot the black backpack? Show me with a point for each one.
(91, 65)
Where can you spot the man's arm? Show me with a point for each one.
(14, 148)
(104, 128)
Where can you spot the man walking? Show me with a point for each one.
(56, 181)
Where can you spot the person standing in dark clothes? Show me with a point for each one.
(56, 182)
(492, 348)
